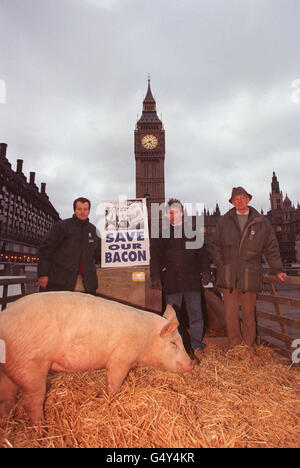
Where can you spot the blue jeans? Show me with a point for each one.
(194, 312)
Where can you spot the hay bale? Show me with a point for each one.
(235, 398)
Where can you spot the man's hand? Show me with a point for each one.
(43, 281)
(206, 279)
(281, 276)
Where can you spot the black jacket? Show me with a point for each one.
(68, 243)
(179, 269)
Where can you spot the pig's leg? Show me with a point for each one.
(33, 400)
(116, 374)
(33, 387)
(8, 393)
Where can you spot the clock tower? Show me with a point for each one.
(149, 149)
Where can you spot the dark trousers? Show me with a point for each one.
(194, 312)
(232, 300)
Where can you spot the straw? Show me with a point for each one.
(233, 398)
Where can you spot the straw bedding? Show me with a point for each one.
(233, 398)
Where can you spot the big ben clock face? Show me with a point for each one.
(149, 141)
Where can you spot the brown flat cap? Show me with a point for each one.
(239, 191)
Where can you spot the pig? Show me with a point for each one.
(72, 332)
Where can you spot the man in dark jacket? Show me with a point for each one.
(69, 252)
(180, 271)
(241, 238)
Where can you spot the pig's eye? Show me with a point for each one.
(174, 343)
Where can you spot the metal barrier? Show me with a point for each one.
(24, 282)
(285, 330)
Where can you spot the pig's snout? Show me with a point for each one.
(187, 366)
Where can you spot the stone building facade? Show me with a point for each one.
(149, 150)
(285, 219)
(26, 213)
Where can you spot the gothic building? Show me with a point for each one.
(149, 149)
(285, 219)
(26, 213)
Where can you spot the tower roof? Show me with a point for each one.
(149, 97)
(287, 202)
(149, 114)
(275, 184)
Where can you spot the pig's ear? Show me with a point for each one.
(169, 313)
(172, 322)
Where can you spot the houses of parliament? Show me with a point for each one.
(26, 213)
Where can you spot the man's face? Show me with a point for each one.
(241, 203)
(175, 215)
(82, 211)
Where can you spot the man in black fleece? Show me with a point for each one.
(69, 251)
(181, 271)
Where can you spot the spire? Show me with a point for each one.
(275, 184)
(149, 103)
(149, 114)
(217, 210)
(287, 202)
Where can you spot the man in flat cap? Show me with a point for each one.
(241, 238)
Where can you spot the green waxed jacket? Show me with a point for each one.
(238, 255)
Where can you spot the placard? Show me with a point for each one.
(124, 233)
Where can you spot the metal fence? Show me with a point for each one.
(27, 286)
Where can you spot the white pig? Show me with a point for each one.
(74, 332)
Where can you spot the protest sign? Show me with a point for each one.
(124, 233)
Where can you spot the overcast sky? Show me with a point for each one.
(225, 76)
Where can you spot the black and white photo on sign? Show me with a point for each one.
(124, 233)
